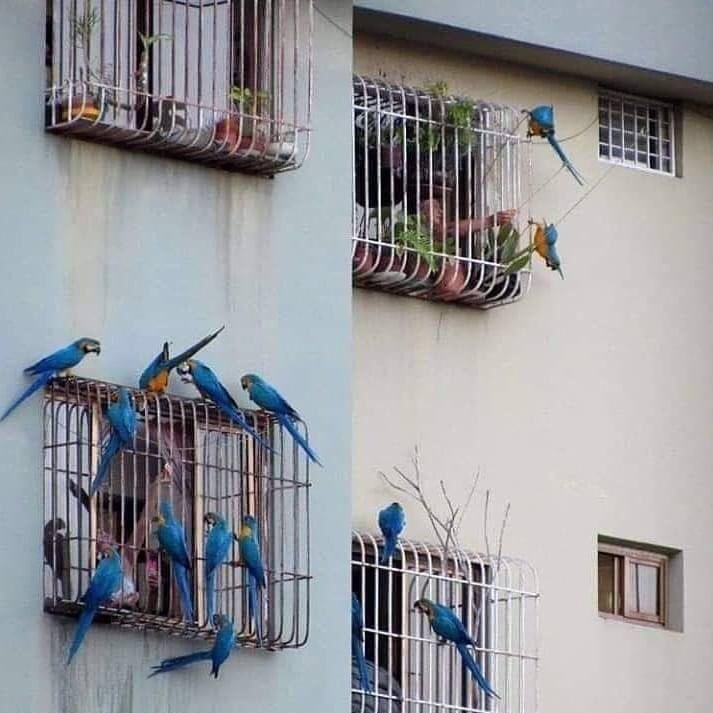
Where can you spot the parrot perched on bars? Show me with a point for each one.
(46, 369)
(392, 521)
(249, 547)
(544, 244)
(222, 647)
(210, 388)
(448, 626)
(268, 397)
(172, 538)
(217, 547)
(55, 546)
(542, 123)
(106, 580)
(357, 646)
(122, 422)
(156, 375)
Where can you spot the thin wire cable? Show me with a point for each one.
(601, 178)
(579, 133)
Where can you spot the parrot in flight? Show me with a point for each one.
(53, 365)
(210, 388)
(448, 626)
(106, 580)
(172, 538)
(392, 521)
(357, 648)
(544, 243)
(268, 398)
(222, 646)
(217, 547)
(122, 421)
(542, 123)
(156, 375)
(249, 547)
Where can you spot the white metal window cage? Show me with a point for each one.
(637, 132)
(410, 671)
(184, 452)
(437, 188)
(223, 82)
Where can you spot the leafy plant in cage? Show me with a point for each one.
(410, 234)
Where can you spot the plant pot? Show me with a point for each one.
(363, 259)
(417, 269)
(452, 279)
(229, 137)
(82, 106)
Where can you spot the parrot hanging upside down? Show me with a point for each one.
(156, 375)
(542, 123)
(53, 365)
(392, 521)
(269, 398)
(172, 538)
(544, 243)
(211, 389)
(222, 646)
(448, 626)
(217, 547)
(122, 420)
(105, 582)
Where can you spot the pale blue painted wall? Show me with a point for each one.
(132, 249)
(660, 35)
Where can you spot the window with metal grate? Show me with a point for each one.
(223, 82)
(185, 453)
(637, 132)
(409, 668)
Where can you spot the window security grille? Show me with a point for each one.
(436, 179)
(223, 82)
(187, 453)
(636, 132)
(497, 603)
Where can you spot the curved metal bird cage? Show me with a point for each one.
(223, 82)
(437, 189)
(495, 598)
(187, 453)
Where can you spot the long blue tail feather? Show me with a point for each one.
(358, 654)
(179, 662)
(38, 383)
(112, 448)
(242, 422)
(85, 621)
(210, 596)
(184, 589)
(253, 609)
(473, 667)
(289, 425)
(389, 548)
(568, 164)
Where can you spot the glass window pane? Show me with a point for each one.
(644, 583)
(606, 582)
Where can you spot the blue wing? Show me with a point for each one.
(153, 368)
(269, 398)
(301, 441)
(250, 553)
(223, 646)
(62, 359)
(567, 163)
(179, 662)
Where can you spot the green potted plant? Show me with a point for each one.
(83, 103)
(243, 129)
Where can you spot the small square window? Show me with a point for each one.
(633, 583)
(647, 130)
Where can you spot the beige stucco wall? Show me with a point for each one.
(588, 404)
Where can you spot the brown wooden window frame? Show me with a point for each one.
(624, 559)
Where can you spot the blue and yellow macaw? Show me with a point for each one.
(107, 579)
(156, 375)
(217, 547)
(218, 655)
(122, 422)
(448, 626)
(392, 521)
(544, 244)
(210, 388)
(249, 547)
(357, 646)
(542, 123)
(172, 538)
(53, 365)
(269, 398)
